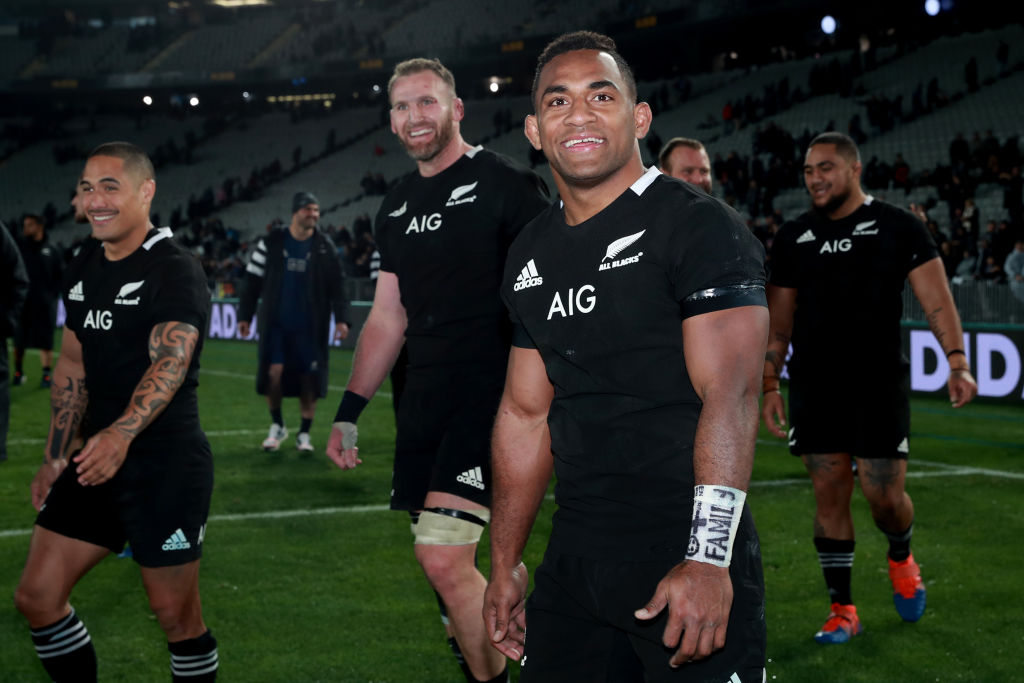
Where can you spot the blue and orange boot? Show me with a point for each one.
(908, 592)
(842, 625)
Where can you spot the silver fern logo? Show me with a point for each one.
(617, 247)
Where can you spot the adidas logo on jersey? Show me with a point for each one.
(125, 291)
(806, 237)
(458, 195)
(176, 541)
(76, 293)
(473, 477)
(528, 278)
(862, 228)
(616, 247)
(399, 211)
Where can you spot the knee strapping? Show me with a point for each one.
(446, 526)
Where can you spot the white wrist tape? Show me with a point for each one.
(716, 517)
(349, 434)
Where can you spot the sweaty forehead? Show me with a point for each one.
(105, 168)
(418, 84)
(580, 67)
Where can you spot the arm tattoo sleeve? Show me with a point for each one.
(933, 323)
(775, 360)
(67, 406)
(171, 345)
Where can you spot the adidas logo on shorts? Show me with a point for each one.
(473, 477)
(529, 277)
(177, 541)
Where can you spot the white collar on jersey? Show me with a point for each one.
(161, 233)
(472, 153)
(644, 181)
(868, 199)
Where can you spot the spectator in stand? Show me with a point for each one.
(1014, 269)
(901, 174)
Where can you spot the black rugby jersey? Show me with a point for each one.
(603, 302)
(446, 237)
(112, 306)
(849, 275)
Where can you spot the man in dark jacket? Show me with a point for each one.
(45, 266)
(297, 272)
(13, 291)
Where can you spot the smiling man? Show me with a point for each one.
(838, 273)
(442, 233)
(686, 159)
(633, 375)
(137, 308)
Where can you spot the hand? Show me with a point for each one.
(101, 457)
(341, 445)
(243, 329)
(340, 331)
(773, 412)
(699, 597)
(43, 481)
(505, 611)
(962, 387)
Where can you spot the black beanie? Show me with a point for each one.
(302, 199)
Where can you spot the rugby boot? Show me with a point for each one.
(45, 382)
(303, 442)
(842, 625)
(908, 592)
(278, 433)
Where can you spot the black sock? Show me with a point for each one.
(836, 559)
(65, 650)
(899, 543)
(195, 660)
(307, 422)
(275, 416)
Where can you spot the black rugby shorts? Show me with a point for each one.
(444, 437)
(864, 421)
(580, 623)
(158, 502)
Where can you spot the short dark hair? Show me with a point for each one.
(418, 64)
(135, 160)
(33, 217)
(582, 40)
(845, 145)
(666, 151)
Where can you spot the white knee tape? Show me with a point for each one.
(442, 529)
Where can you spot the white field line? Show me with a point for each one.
(941, 470)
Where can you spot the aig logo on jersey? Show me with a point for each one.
(835, 246)
(420, 223)
(581, 300)
(99, 320)
(617, 247)
(528, 278)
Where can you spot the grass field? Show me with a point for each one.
(307, 577)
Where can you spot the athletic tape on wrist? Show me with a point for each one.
(349, 434)
(716, 517)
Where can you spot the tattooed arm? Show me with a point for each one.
(930, 287)
(68, 399)
(171, 346)
(781, 306)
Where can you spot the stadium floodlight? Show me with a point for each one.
(828, 24)
(193, 101)
(494, 87)
(147, 100)
(932, 7)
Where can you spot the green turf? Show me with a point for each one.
(338, 596)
